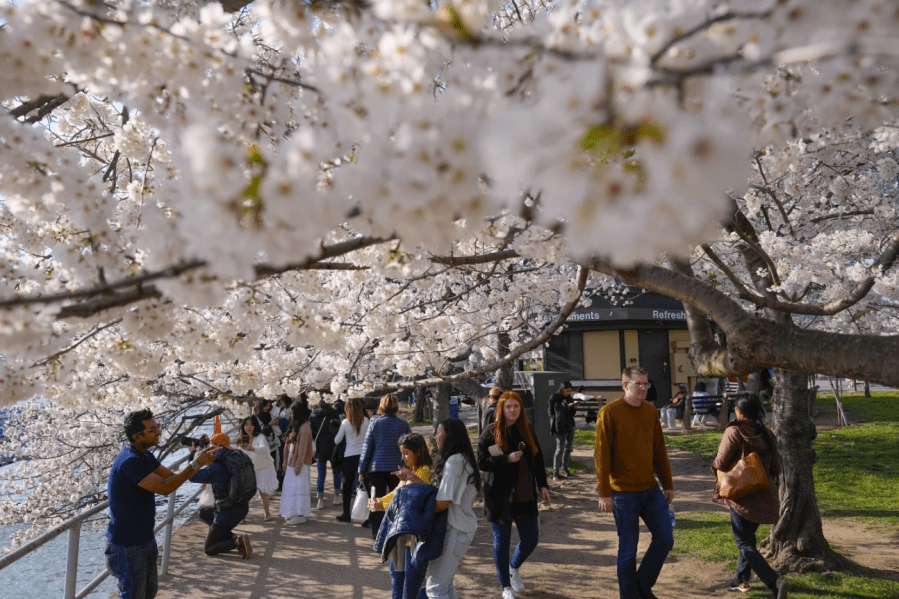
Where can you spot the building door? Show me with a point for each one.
(655, 358)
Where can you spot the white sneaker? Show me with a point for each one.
(508, 593)
(338, 499)
(321, 503)
(296, 520)
(517, 583)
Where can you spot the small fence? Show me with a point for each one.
(73, 526)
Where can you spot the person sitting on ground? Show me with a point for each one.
(226, 516)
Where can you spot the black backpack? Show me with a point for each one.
(242, 486)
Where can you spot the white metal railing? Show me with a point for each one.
(73, 526)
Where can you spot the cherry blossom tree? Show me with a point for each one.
(209, 199)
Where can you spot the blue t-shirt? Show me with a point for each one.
(132, 509)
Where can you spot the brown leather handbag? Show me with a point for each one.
(746, 476)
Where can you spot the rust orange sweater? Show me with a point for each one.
(630, 449)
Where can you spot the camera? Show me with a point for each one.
(202, 442)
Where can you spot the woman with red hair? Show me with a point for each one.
(514, 479)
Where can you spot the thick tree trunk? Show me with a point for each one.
(797, 541)
(418, 413)
(504, 376)
(441, 405)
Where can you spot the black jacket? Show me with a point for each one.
(324, 442)
(561, 417)
(501, 476)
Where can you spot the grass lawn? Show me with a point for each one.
(856, 476)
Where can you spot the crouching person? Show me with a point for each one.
(233, 482)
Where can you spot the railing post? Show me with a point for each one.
(72, 561)
(167, 542)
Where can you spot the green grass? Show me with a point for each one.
(708, 536)
(856, 475)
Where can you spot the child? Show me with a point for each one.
(417, 469)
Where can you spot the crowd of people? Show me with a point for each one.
(422, 514)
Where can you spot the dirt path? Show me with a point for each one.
(575, 557)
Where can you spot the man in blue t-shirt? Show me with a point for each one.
(135, 477)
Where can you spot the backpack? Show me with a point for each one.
(242, 485)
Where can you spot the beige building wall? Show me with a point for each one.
(682, 368)
(602, 355)
(631, 350)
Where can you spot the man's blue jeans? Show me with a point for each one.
(135, 567)
(528, 537)
(322, 472)
(629, 507)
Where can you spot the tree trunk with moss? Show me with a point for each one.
(797, 541)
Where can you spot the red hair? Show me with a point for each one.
(522, 424)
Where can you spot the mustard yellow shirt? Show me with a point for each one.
(630, 449)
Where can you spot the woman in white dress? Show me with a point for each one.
(295, 503)
(254, 444)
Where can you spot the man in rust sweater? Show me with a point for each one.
(631, 460)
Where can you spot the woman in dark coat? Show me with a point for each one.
(514, 479)
(744, 435)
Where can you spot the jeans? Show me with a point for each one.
(135, 567)
(629, 507)
(442, 570)
(562, 457)
(528, 536)
(322, 472)
(750, 559)
(669, 418)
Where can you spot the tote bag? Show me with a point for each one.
(360, 505)
(746, 476)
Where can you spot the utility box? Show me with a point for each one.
(539, 385)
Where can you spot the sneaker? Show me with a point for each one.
(366, 524)
(508, 593)
(338, 499)
(517, 583)
(566, 473)
(740, 586)
(296, 520)
(321, 503)
(344, 518)
(783, 588)
(563, 474)
(556, 476)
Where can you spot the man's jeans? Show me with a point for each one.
(135, 567)
(528, 537)
(442, 570)
(322, 472)
(750, 558)
(562, 458)
(628, 508)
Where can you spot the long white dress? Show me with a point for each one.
(295, 492)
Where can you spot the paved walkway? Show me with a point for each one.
(326, 559)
